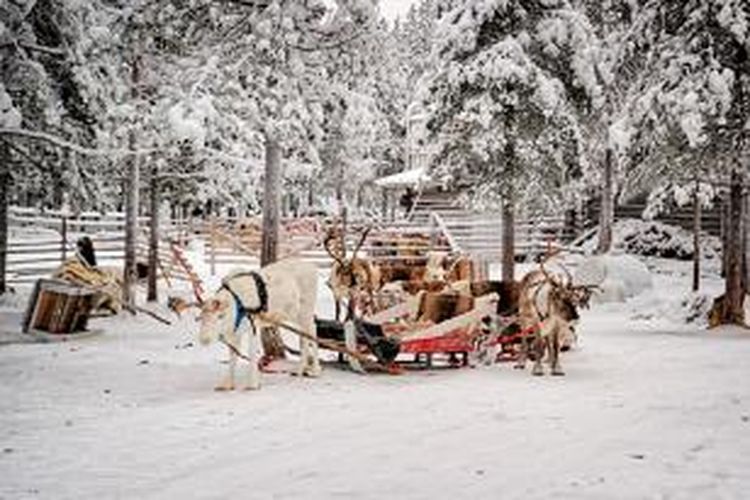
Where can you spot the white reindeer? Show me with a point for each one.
(283, 292)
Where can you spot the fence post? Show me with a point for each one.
(64, 233)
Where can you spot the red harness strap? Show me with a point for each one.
(507, 339)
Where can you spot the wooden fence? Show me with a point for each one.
(41, 240)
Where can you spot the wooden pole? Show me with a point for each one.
(153, 235)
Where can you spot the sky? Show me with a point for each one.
(394, 8)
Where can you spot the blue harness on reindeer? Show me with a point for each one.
(241, 311)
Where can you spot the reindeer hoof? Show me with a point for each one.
(519, 367)
(224, 387)
(251, 387)
(558, 373)
(537, 371)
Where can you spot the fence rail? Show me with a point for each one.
(42, 240)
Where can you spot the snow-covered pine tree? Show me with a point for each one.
(503, 122)
(692, 104)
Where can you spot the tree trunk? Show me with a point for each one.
(4, 194)
(384, 204)
(509, 237)
(153, 236)
(696, 238)
(131, 226)
(724, 234)
(340, 198)
(131, 200)
(271, 202)
(734, 295)
(606, 214)
(273, 346)
(509, 215)
(746, 259)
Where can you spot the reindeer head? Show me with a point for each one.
(435, 268)
(566, 297)
(216, 318)
(351, 274)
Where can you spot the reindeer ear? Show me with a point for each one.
(212, 306)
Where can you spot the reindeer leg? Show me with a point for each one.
(523, 354)
(555, 354)
(253, 353)
(350, 340)
(227, 384)
(539, 348)
(310, 362)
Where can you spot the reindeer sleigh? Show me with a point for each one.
(452, 316)
(428, 311)
(443, 313)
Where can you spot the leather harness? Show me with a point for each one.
(243, 311)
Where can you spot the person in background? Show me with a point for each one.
(407, 200)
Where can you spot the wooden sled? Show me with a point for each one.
(451, 337)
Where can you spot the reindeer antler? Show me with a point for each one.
(361, 241)
(567, 274)
(330, 236)
(546, 274)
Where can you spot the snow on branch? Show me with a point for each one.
(65, 144)
(52, 51)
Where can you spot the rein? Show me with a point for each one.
(242, 311)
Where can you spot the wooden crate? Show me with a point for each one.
(58, 307)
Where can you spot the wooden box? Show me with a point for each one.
(58, 307)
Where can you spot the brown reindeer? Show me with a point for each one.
(548, 309)
(352, 278)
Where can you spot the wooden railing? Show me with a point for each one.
(41, 240)
(236, 242)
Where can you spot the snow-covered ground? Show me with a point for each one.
(651, 407)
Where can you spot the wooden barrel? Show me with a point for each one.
(58, 307)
